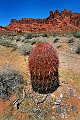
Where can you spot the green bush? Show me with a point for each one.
(10, 78)
(25, 49)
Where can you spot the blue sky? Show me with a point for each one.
(19, 9)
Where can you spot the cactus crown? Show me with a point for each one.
(43, 63)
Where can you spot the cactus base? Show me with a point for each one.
(45, 86)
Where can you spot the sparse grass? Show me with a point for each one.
(69, 76)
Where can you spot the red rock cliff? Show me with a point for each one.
(58, 21)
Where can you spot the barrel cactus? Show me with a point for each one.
(43, 66)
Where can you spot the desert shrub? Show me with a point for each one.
(70, 35)
(65, 34)
(18, 39)
(53, 34)
(8, 44)
(78, 49)
(26, 41)
(40, 40)
(10, 78)
(56, 40)
(33, 41)
(14, 47)
(45, 35)
(77, 35)
(5, 43)
(25, 49)
(71, 40)
(29, 36)
(59, 46)
(36, 35)
(43, 66)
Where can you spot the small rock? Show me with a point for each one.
(65, 89)
(61, 95)
(73, 108)
(71, 94)
(54, 107)
(58, 110)
(52, 95)
(54, 118)
(64, 109)
(57, 103)
(35, 110)
(68, 110)
(58, 100)
(74, 90)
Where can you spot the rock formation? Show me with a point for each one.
(58, 21)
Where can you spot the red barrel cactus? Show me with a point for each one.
(43, 66)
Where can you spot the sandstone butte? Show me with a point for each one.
(58, 21)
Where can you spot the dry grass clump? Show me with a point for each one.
(10, 78)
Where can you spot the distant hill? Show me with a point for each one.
(58, 21)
